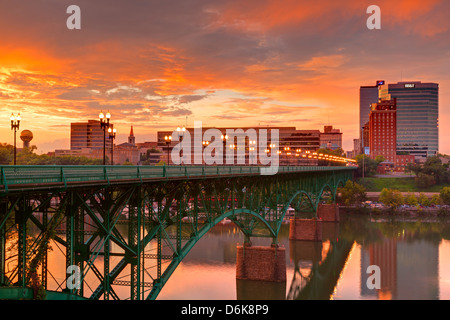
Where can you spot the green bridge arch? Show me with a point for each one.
(273, 232)
(154, 201)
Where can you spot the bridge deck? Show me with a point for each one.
(32, 177)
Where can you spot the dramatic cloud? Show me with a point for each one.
(159, 64)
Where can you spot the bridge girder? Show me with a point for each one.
(165, 218)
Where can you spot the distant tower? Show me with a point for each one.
(131, 138)
(26, 136)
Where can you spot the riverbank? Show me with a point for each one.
(375, 195)
(400, 183)
(405, 210)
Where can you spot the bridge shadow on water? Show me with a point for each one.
(317, 268)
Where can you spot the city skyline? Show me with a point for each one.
(156, 66)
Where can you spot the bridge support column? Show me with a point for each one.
(261, 263)
(328, 212)
(305, 229)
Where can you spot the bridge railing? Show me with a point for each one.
(39, 175)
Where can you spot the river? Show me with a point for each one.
(413, 256)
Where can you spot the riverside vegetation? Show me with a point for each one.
(354, 195)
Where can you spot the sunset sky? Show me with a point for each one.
(160, 64)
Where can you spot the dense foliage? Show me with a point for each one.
(27, 156)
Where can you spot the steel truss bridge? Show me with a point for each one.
(123, 230)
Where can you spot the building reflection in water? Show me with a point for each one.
(409, 268)
(408, 259)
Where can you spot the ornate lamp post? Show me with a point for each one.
(15, 123)
(168, 140)
(205, 144)
(251, 151)
(181, 135)
(112, 136)
(104, 124)
(224, 140)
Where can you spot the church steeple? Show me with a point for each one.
(131, 138)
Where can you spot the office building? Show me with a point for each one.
(331, 138)
(88, 135)
(417, 117)
(367, 96)
(383, 137)
(365, 139)
(382, 129)
(294, 147)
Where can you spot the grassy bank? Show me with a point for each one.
(402, 184)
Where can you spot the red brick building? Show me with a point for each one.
(383, 129)
(383, 136)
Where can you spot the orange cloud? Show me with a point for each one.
(244, 62)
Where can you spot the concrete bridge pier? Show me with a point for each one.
(328, 212)
(261, 263)
(305, 229)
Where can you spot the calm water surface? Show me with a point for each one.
(413, 256)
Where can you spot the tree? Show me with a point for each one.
(380, 159)
(423, 200)
(424, 180)
(369, 165)
(436, 199)
(433, 167)
(445, 195)
(352, 193)
(411, 199)
(413, 167)
(6, 154)
(391, 198)
(430, 173)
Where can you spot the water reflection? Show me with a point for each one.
(408, 252)
(413, 256)
(408, 259)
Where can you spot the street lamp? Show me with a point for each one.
(251, 151)
(15, 123)
(205, 144)
(181, 133)
(104, 124)
(112, 136)
(168, 140)
(224, 140)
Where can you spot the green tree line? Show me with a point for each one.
(27, 156)
(355, 194)
(432, 172)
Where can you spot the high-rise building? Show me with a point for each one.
(383, 137)
(365, 139)
(417, 116)
(382, 129)
(88, 135)
(367, 96)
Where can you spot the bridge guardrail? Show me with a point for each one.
(35, 175)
